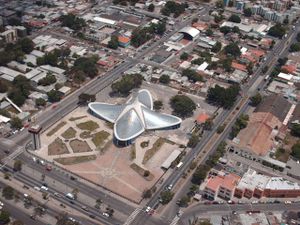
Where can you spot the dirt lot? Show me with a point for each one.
(57, 147)
(79, 146)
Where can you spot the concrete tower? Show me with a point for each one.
(35, 133)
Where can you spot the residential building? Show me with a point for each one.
(124, 41)
(10, 35)
(222, 185)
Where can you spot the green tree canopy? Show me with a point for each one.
(164, 79)
(295, 130)
(16, 123)
(200, 174)
(4, 217)
(184, 56)
(114, 42)
(256, 99)
(182, 105)
(157, 105)
(247, 12)
(277, 30)
(217, 47)
(17, 165)
(224, 97)
(296, 150)
(8, 192)
(173, 7)
(166, 196)
(84, 98)
(295, 47)
(127, 83)
(49, 79)
(87, 65)
(26, 44)
(234, 18)
(151, 7)
(192, 75)
(225, 30)
(54, 96)
(40, 102)
(232, 49)
(72, 21)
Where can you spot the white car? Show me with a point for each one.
(148, 209)
(44, 188)
(34, 159)
(36, 188)
(42, 162)
(105, 214)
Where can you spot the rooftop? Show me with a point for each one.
(279, 183)
(228, 181)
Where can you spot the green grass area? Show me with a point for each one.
(75, 159)
(69, 133)
(150, 152)
(57, 147)
(133, 152)
(282, 155)
(145, 144)
(77, 118)
(88, 125)
(99, 138)
(85, 135)
(56, 128)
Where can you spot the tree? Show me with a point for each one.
(16, 123)
(277, 31)
(54, 96)
(8, 192)
(295, 47)
(193, 141)
(295, 130)
(63, 219)
(16, 97)
(234, 18)
(183, 202)
(184, 56)
(232, 49)
(127, 83)
(84, 98)
(157, 105)
(4, 217)
(217, 47)
(47, 80)
(247, 12)
(192, 75)
(173, 7)
(164, 79)
(235, 30)
(147, 193)
(23, 84)
(86, 65)
(40, 102)
(296, 150)
(208, 124)
(225, 30)
(209, 32)
(166, 197)
(182, 105)
(72, 21)
(26, 44)
(256, 99)
(239, 124)
(18, 165)
(114, 42)
(220, 4)
(200, 174)
(224, 97)
(151, 7)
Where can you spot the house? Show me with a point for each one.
(222, 185)
(238, 66)
(124, 41)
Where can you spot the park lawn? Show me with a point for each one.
(75, 159)
(99, 138)
(156, 146)
(69, 133)
(88, 125)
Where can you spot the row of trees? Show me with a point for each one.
(127, 83)
(202, 170)
(72, 21)
(174, 8)
(277, 30)
(192, 75)
(58, 57)
(240, 123)
(223, 97)
(16, 51)
(142, 35)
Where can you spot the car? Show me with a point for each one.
(105, 214)
(44, 188)
(148, 209)
(85, 208)
(254, 202)
(48, 167)
(36, 188)
(70, 196)
(1, 204)
(92, 216)
(170, 187)
(42, 162)
(72, 219)
(34, 159)
(57, 194)
(234, 212)
(287, 202)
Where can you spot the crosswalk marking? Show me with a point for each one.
(132, 216)
(175, 220)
